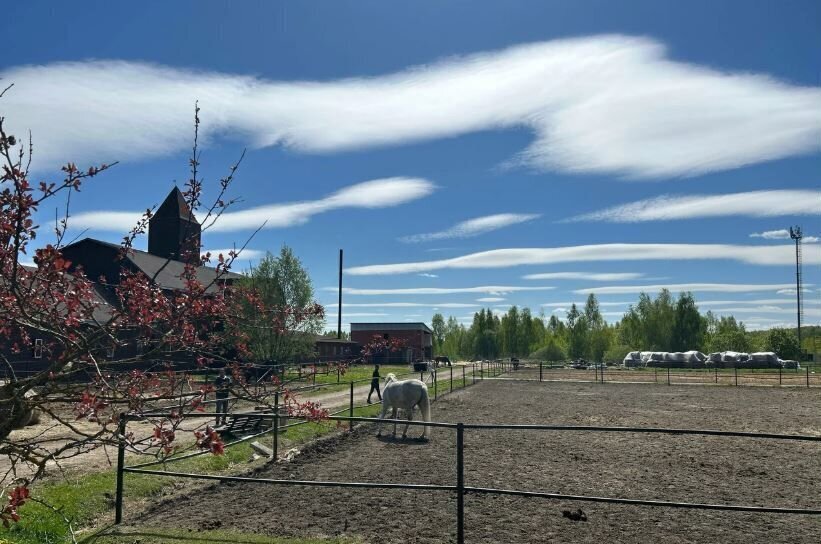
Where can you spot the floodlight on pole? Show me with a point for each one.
(796, 235)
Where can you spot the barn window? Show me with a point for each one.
(38, 348)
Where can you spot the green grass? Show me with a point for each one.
(151, 535)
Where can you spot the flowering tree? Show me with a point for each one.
(81, 322)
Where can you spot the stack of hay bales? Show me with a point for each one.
(675, 359)
(633, 359)
(735, 359)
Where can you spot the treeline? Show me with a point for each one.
(663, 323)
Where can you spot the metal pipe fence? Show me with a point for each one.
(460, 489)
(669, 375)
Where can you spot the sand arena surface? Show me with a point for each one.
(642, 466)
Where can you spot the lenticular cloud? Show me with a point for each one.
(610, 103)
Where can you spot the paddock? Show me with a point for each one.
(697, 469)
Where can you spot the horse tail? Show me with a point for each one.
(424, 407)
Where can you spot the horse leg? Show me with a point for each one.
(410, 418)
(381, 416)
(393, 417)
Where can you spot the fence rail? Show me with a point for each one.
(461, 489)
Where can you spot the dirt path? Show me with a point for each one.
(92, 461)
(680, 468)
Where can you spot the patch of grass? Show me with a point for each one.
(151, 535)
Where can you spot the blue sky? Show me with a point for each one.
(469, 145)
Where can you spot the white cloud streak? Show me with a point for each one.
(243, 255)
(489, 289)
(473, 227)
(680, 287)
(590, 276)
(401, 305)
(490, 299)
(504, 258)
(426, 275)
(601, 104)
(671, 207)
(784, 234)
(377, 193)
(581, 304)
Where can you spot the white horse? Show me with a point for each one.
(404, 395)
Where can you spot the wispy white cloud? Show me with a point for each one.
(356, 314)
(473, 227)
(783, 234)
(401, 305)
(426, 275)
(759, 301)
(675, 207)
(490, 299)
(504, 258)
(489, 289)
(591, 276)
(792, 291)
(581, 303)
(679, 287)
(243, 255)
(608, 103)
(377, 193)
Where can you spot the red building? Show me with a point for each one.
(417, 337)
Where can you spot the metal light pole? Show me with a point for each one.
(339, 306)
(795, 234)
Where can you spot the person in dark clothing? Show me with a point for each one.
(222, 384)
(374, 384)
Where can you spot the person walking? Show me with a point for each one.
(222, 385)
(374, 384)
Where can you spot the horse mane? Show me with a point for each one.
(391, 377)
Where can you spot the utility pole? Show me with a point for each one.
(795, 234)
(339, 306)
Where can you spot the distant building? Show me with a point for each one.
(417, 337)
(330, 348)
(173, 234)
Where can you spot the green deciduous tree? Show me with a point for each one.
(783, 342)
(283, 285)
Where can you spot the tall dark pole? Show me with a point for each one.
(796, 235)
(339, 306)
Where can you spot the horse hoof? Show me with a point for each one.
(378, 435)
(404, 437)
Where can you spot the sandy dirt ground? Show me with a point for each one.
(679, 468)
(58, 435)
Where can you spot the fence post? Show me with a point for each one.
(460, 483)
(779, 375)
(540, 371)
(464, 381)
(451, 379)
(276, 426)
(421, 375)
(808, 375)
(656, 374)
(337, 374)
(118, 512)
(716, 374)
(735, 368)
(481, 370)
(350, 408)
(435, 383)
(602, 372)
(668, 374)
